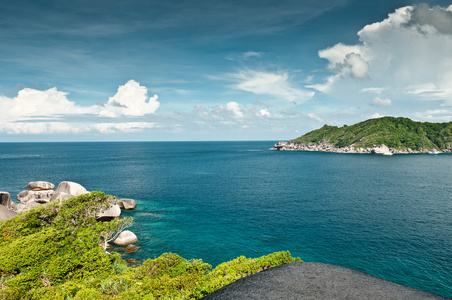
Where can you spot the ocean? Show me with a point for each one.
(388, 216)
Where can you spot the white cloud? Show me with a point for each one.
(263, 112)
(31, 104)
(46, 112)
(314, 117)
(377, 101)
(122, 127)
(276, 85)
(408, 54)
(234, 107)
(130, 100)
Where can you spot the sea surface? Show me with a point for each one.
(389, 216)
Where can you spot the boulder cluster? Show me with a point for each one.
(40, 192)
(327, 147)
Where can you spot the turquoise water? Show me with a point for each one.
(389, 216)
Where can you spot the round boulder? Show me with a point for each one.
(126, 203)
(111, 213)
(71, 188)
(40, 186)
(125, 238)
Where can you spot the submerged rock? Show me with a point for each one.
(40, 186)
(132, 261)
(5, 199)
(131, 248)
(126, 203)
(125, 238)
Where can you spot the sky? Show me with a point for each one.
(206, 70)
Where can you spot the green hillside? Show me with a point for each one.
(397, 133)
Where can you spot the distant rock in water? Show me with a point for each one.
(125, 238)
(40, 186)
(126, 203)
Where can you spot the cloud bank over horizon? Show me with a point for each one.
(215, 80)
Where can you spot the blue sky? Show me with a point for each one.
(218, 70)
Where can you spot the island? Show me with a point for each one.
(386, 135)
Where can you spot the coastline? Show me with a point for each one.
(327, 147)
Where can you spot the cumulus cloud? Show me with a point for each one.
(234, 107)
(131, 99)
(276, 85)
(377, 101)
(47, 112)
(31, 103)
(408, 54)
(263, 112)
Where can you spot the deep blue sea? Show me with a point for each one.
(389, 216)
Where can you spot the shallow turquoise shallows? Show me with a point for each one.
(389, 216)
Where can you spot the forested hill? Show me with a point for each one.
(397, 133)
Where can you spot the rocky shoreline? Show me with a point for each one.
(327, 147)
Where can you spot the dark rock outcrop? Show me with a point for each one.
(303, 280)
(5, 199)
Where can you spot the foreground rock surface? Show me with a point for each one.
(302, 280)
(125, 238)
(126, 203)
(40, 186)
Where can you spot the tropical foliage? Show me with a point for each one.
(55, 251)
(397, 133)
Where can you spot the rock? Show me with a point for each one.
(131, 248)
(132, 261)
(111, 213)
(71, 188)
(126, 203)
(21, 207)
(125, 238)
(37, 196)
(61, 196)
(6, 214)
(5, 199)
(40, 186)
(381, 149)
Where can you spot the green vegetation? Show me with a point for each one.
(397, 133)
(56, 251)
